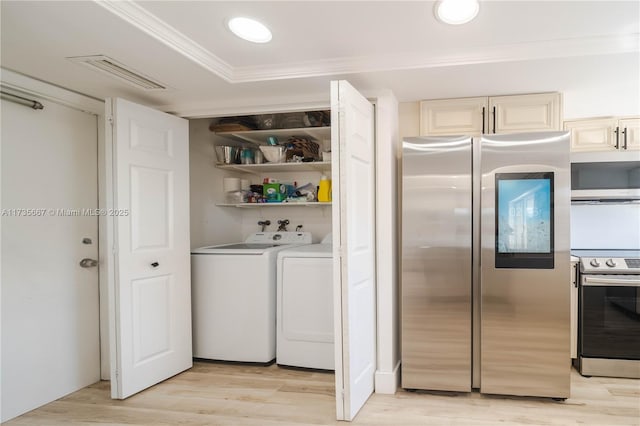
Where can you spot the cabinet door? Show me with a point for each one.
(593, 135)
(525, 113)
(466, 116)
(630, 139)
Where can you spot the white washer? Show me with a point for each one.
(305, 306)
(234, 297)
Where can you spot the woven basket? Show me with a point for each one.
(302, 147)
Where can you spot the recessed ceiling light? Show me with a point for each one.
(250, 30)
(456, 12)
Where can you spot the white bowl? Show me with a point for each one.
(274, 154)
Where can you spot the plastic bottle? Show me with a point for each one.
(324, 190)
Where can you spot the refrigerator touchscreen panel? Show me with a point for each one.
(524, 220)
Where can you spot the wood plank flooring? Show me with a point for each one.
(229, 394)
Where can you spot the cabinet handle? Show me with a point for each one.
(617, 132)
(483, 120)
(494, 119)
(624, 132)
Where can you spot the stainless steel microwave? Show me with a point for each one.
(604, 177)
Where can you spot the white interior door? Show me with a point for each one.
(151, 299)
(50, 305)
(353, 178)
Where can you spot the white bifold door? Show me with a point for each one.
(352, 136)
(150, 297)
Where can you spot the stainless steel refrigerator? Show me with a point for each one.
(485, 264)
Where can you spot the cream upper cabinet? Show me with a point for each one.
(525, 113)
(498, 114)
(465, 116)
(604, 134)
(592, 135)
(630, 133)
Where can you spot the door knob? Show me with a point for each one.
(88, 263)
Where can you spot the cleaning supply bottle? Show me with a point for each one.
(324, 190)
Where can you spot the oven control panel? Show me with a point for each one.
(609, 265)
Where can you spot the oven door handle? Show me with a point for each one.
(613, 282)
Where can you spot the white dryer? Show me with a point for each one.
(234, 297)
(305, 306)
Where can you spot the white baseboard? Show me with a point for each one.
(387, 382)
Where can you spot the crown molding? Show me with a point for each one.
(144, 20)
(149, 23)
(605, 45)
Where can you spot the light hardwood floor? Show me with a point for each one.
(225, 394)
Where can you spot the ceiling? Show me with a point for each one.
(393, 45)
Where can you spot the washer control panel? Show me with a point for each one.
(280, 238)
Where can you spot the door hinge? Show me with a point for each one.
(110, 120)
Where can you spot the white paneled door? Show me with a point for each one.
(50, 305)
(352, 118)
(150, 303)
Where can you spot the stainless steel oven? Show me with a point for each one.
(609, 314)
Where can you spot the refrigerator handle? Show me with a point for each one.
(494, 119)
(483, 113)
(624, 132)
(617, 132)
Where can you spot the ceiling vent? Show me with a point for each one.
(110, 66)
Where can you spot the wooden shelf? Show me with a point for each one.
(259, 137)
(257, 205)
(316, 166)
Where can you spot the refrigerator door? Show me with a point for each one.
(525, 264)
(436, 263)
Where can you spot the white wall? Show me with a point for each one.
(316, 220)
(209, 224)
(610, 88)
(387, 377)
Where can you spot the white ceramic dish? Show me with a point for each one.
(273, 154)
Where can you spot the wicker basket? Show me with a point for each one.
(302, 147)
